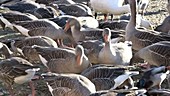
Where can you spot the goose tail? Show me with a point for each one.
(5, 23)
(21, 30)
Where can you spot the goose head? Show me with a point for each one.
(72, 23)
(80, 56)
(106, 35)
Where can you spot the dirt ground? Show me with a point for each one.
(155, 13)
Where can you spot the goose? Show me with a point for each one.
(61, 60)
(115, 7)
(153, 77)
(120, 92)
(5, 51)
(114, 53)
(22, 6)
(17, 45)
(159, 92)
(107, 52)
(142, 5)
(17, 70)
(44, 12)
(156, 54)
(64, 2)
(140, 21)
(164, 26)
(114, 24)
(107, 77)
(141, 38)
(68, 84)
(13, 16)
(86, 21)
(73, 9)
(41, 27)
(48, 2)
(79, 34)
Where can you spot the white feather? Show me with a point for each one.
(115, 7)
(119, 80)
(1, 45)
(6, 22)
(21, 29)
(26, 78)
(43, 60)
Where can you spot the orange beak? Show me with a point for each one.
(168, 67)
(106, 39)
(78, 60)
(67, 26)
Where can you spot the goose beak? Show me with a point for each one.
(106, 38)
(78, 60)
(67, 26)
(168, 67)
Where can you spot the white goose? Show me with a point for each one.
(114, 7)
(114, 53)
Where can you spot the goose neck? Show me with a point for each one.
(133, 12)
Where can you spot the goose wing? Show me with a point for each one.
(148, 38)
(34, 24)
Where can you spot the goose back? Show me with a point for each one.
(156, 54)
(103, 76)
(15, 67)
(70, 85)
(22, 6)
(58, 59)
(164, 26)
(141, 38)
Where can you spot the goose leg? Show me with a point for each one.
(105, 17)
(95, 15)
(32, 88)
(10, 90)
(111, 17)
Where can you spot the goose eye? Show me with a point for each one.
(129, 44)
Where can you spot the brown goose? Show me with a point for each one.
(41, 27)
(22, 6)
(13, 16)
(120, 92)
(155, 54)
(16, 70)
(17, 45)
(114, 25)
(68, 84)
(164, 27)
(107, 77)
(79, 34)
(5, 51)
(159, 92)
(153, 77)
(141, 38)
(61, 60)
(73, 9)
